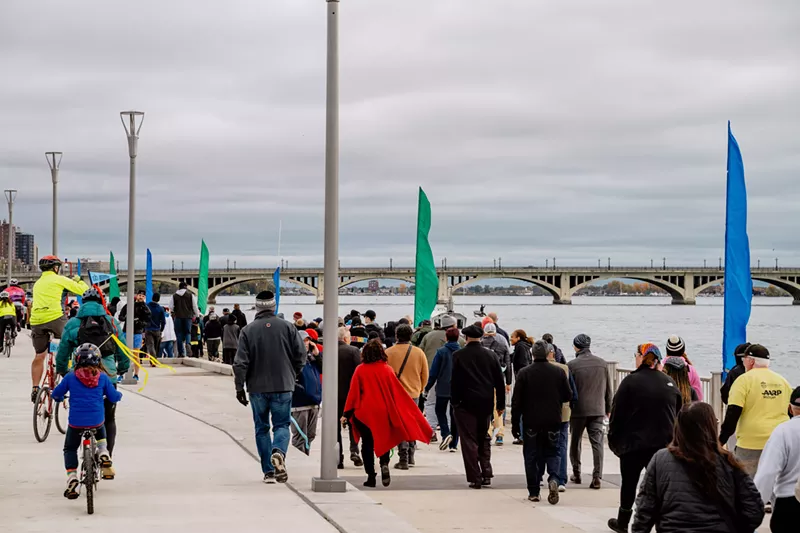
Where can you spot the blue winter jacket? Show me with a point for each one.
(158, 317)
(442, 370)
(86, 409)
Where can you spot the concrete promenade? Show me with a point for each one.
(185, 462)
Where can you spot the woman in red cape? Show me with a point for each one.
(381, 412)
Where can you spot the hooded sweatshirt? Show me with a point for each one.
(86, 391)
(181, 306)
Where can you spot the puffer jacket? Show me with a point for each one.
(522, 356)
(499, 346)
(669, 501)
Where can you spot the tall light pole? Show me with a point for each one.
(11, 195)
(328, 480)
(132, 132)
(54, 160)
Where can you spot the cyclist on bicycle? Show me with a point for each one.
(47, 315)
(87, 385)
(8, 316)
(93, 326)
(17, 295)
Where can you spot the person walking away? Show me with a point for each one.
(500, 331)
(268, 360)
(430, 344)
(381, 412)
(196, 337)
(441, 373)
(237, 312)
(694, 485)
(358, 333)
(677, 348)
(94, 327)
(230, 340)
(47, 314)
(88, 387)
(168, 335)
(213, 335)
(758, 403)
(779, 471)
(141, 317)
(370, 325)
(155, 327)
(559, 355)
(425, 327)
(734, 373)
(539, 395)
(8, 316)
(307, 397)
(594, 403)
(391, 338)
(641, 423)
(349, 359)
(411, 367)
(184, 309)
(566, 413)
(677, 369)
(477, 385)
(499, 346)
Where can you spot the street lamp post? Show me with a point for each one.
(328, 480)
(609, 263)
(11, 195)
(54, 160)
(665, 263)
(651, 264)
(132, 132)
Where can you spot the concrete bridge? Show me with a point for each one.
(683, 284)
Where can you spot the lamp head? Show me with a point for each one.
(11, 195)
(53, 159)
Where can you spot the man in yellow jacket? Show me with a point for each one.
(47, 314)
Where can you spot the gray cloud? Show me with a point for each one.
(576, 130)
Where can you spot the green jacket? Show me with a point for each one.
(113, 364)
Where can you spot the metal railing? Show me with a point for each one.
(711, 386)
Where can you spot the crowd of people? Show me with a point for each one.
(401, 385)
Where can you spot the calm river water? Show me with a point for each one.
(616, 325)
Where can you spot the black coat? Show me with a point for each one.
(141, 317)
(670, 501)
(477, 380)
(241, 320)
(372, 326)
(643, 412)
(539, 395)
(521, 356)
(733, 375)
(213, 329)
(349, 359)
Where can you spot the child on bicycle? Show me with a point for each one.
(87, 384)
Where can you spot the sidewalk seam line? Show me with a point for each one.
(291, 487)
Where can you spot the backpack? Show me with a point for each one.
(97, 330)
(308, 389)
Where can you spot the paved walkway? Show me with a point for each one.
(175, 474)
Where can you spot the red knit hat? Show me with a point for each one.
(486, 320)
(298, 315)
(313, 334)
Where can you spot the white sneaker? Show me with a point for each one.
(445, 442)
(562, 488)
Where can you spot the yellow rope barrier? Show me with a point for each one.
(142, 356)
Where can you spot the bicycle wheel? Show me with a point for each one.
(42, 418)
(62, 415)
(89, 477)
(8, 348)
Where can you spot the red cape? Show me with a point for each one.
(380, 402)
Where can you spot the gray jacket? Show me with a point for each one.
(594, 387)
(433, 341)
(270, 355)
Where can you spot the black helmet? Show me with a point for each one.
(92, 295)
(87, 355)
(49, 262)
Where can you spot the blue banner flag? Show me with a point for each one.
(738, 283)
(80, 300)
(96, 278)
(149, 286)
(276, 280)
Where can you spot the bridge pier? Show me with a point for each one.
(445, 292)
(683, 301)
(559, 301)
(320, 290)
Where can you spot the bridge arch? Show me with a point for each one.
(675, 289)
(345, 281)
(214, 291)
(551, 288)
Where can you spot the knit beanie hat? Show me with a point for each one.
(265, 300)
(448, 322)
(675, 346)
(582, 341)
(540, 350)
(677, 362)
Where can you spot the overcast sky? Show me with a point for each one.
(539, 129)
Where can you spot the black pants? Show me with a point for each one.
(111, 423)
(72, 441)
(152, 342)
(785, 516)
(476, 450)
(540, 451)
(228, 355)
(213, 348)
(9, 322)
(353, 444)
(631, 466)
(368, 449)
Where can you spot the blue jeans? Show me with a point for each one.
(563, 439)
(540, 449)
(183, 331)
(278, 405)
(442, 406)
(168, 349)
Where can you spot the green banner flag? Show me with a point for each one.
(202, 285)
(113, 287)
(426, 282)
